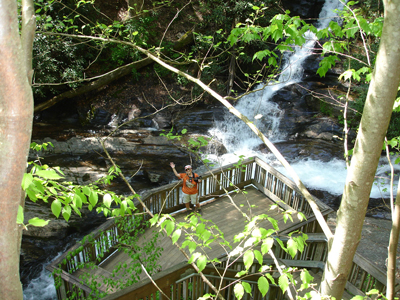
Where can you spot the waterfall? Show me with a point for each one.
(239, 140)
(237, 136)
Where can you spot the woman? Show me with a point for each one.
(189, 188)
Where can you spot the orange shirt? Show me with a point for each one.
(187, 190)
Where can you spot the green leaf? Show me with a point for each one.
(66, 212)
(38, 222)
(281, 244)
(200, 228)
(39, 186)
(93, 198)
(301, 216)
(265, 233)
(306, 279)
(31, 195)
(247, 287)
(86, 190)
(274, 223)
(261, 54)
(56, 207)
(272, 61)
(107, 200)
(77, 201)
(48, 174)
(201, 262)
(26, 181)
(373, 292)
(358, 297)
(154, 220)
(248, 259)
(176, 235)
(20, 215)
(263, 285)
(325, 64)
(283, 282)
(269, 276)
(258, 256)
(205, 236)
(238, 290)
(169, 227)
(267, 245)
(194, 257)
(241, 273)
(292, 247)
(192, 246)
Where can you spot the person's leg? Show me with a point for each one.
(186, 200)
(195, 202)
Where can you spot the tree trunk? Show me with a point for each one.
(16, 113)
(392, 252)
(360, 177)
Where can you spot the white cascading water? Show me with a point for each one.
(239, 140)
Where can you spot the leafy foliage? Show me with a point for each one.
(44, 183)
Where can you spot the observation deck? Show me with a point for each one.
(226, 196)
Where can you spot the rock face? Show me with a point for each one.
(306, 9)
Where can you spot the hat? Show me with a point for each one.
(188, 167)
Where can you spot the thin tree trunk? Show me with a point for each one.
(392, 252)
(16, 113)
(368, 147)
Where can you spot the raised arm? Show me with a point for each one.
(173, 169)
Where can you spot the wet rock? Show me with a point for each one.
(154, 176)
(306, 9)
(215, 147)
(307, 148)
(197, 120)
(162, 120)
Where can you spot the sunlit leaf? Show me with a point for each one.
(283, 282)
(26, 180)
(258, 256)
(306, 279)
(66, 212)
(20, 215)
(176, 235)
(56, 207)
(248, 259)
(38, 222)
(292, 247)
(267, 245)
(263, 285)
(93, 198)
(48, 174)
(238, 290)
(107, 200)
(169, 227)
(247, 287)
(201, 262)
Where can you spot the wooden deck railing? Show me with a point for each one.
(167, 199)
(182, 282)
